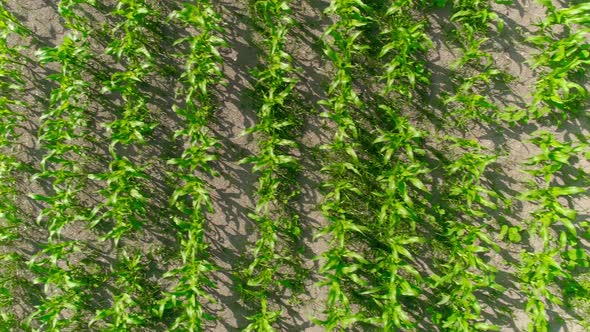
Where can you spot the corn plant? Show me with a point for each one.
(125, 200)
(541, 267)
(10, 282)
(125, 314)
(464, 270)
(63, 124)
(11, 87)
(563, 59)
(124, 194)
(474, 70)
(191, 198)
(274, 164)
(396, 219)
(64, 287)
(130, 45)
(405, 38)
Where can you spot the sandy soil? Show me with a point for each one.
(230, 232)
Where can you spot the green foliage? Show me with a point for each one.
(341, 267)
(63, 125)
(474, 71)
(406, 39)
(11, 89)
(11, 92)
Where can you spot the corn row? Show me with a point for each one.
(395, 225)
(191, 198)
(542, 266)
(401, 171)
(274, 164)
(11, 86)
(63, 126)
(465, 272)
(563, 57)
(125, 198)
(405, 39)
(475, 68)
(342, 264)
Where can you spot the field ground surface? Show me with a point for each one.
(419, 180)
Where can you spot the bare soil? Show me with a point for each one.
(230, 232)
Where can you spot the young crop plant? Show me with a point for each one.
(126, 313)
(564, 59)
(405, 39)
(465, 271)
(542, 266)
(10, 282)
(11, 89)
(342, 264)
(278, 227)
(124, 195)
(191, 198)
(474, 70)
(130, 47)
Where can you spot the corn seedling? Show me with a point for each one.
(395, 224)
(125, 197)
(399, 177)
(63, 124)
(11, 86)
(125, 314)
(405, 40)
(64, 287)
(475, 68)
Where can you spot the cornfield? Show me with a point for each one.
(294, 165)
